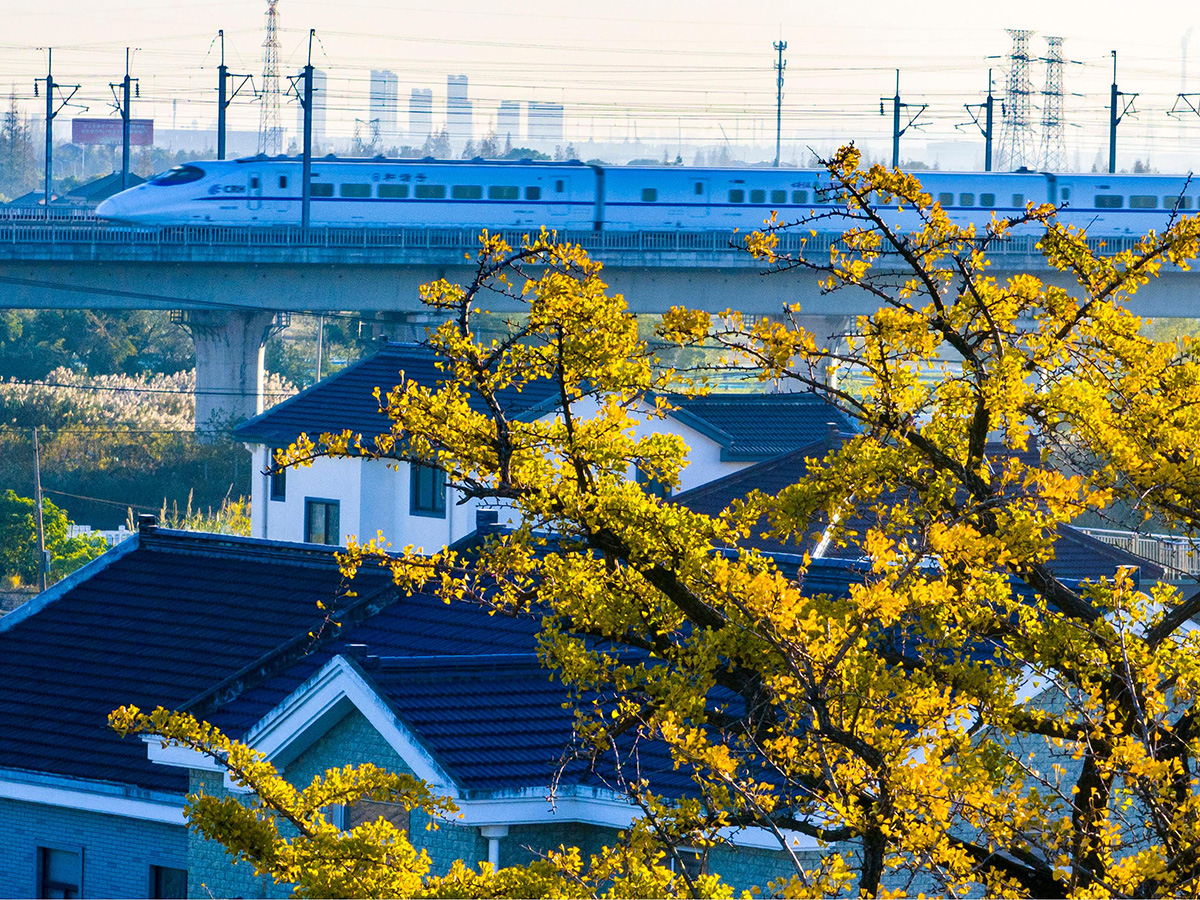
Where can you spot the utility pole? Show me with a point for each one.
(223, 100)
(1114, 118)
(51, 112)
(988, 107)
(897, 131)
(306, 173)
(780, 65)
(122, 104)
(320, 343)
(37, 499)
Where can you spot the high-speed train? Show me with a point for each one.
(382, 192)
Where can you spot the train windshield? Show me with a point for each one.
(178, 175)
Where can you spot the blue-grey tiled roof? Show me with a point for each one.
(761, 426)
(345, 400)
(1077, 556)
(160, 624)
(746, 426)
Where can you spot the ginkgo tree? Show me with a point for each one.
(959, 719)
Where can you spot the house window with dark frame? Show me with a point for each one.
(427, 491)
(60, 873)
(168, 883)
(321, 521)
(690, 860)
(278, 478)
(363, 812)
(653, 486)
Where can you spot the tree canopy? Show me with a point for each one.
(961, 718)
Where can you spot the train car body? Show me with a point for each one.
(573, 196)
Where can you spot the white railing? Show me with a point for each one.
(1177, 554)
(113, 537)
(86, 230)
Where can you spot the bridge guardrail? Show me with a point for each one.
(1178, 554)
(94, 232)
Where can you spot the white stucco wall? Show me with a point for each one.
(326, 479)
(374, 496)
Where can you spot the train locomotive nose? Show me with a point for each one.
(115, 207)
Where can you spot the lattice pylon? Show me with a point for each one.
(1017, 144)
(270, 131)
(1053, 155)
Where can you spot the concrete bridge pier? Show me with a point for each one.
(229, 362)
(830, 333)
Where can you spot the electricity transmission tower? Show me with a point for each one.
(270, 132)
(1016, 133)
(1053, 155)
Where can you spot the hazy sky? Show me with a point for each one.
(691, 73)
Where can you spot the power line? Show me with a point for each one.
(139, 390)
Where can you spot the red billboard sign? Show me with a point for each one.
(108, 131)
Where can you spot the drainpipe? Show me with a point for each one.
(493, 833)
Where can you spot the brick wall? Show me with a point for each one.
(117, 851)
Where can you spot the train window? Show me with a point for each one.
(988, 200)
(560, 186)
(283, 181)
(779, 196)
(649, 195)
(254, 182)
(1143, 201)
(758, 196)
(1018, 200)
(737, 195)
(799, 196)
(392, 191)
(320, 189)
(1177, 202)
(466, 192)
(502, 192)
(1066, 193)
(946, 199)
(1109, 201)
(430, 191)
(699, 187)
(178, 175)
(357, 191)
(966, 199)
(533, 193)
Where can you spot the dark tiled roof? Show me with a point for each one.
(1077, 555)
(223, 626)
(746, 426)
(495, 723)
(770, 477)
(102, 188)
(346, 398)
(162, 622)
(761, 426)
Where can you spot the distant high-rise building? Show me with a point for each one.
(545, 122)
(458, 112)
(420, 116)
(508, 121)
(385, 92)
(318, 121)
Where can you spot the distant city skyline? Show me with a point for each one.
(673, 74)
